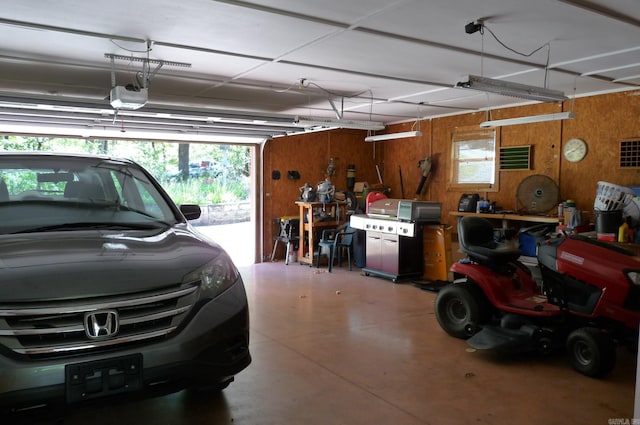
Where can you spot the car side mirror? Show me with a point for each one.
(190, 211)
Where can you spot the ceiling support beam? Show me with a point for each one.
(602, 11)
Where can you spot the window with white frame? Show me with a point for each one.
(472, 160)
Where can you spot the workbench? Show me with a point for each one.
(507, 217)
(315, 217)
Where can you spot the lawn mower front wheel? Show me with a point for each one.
(460, 308)
(591, 352)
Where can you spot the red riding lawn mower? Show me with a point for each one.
(586, 297)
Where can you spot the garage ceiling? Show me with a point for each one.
(254, 67)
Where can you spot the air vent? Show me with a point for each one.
(515, 158)
(630, 154)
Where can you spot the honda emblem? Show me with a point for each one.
(101, 323)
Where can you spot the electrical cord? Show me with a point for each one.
(306, 83)
(129, 50)
(503, 44)
(510, 48)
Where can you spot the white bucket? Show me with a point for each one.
(293, 256)
(611, 197)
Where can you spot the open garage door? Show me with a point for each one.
(218, 177)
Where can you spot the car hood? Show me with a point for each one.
(85, 264)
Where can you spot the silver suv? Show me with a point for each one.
(106, 289)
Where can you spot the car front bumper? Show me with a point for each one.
(208, 350)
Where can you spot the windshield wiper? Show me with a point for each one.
(95, 226)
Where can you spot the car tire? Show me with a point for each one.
(460, 308)
(591, 352)
(212, 388)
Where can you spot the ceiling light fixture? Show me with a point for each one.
(528, 120)
(507, 88)
(339, 123)
(391, 136)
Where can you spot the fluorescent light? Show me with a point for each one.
(339, 123)
(528, 120)
(507, 88)
(390, 136)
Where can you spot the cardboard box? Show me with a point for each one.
(360, 187)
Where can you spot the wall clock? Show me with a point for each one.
(575, 150)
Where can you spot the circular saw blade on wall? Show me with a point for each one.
(537, 194)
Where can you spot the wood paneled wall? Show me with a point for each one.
(543, 137)
(602, 121)
(309, 154)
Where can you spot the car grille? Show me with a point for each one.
(38, 329)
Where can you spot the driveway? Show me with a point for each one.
(238, 239)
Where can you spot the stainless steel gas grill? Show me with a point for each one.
(394, 243)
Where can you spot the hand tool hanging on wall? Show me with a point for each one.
(425, 166)
(401, 182)
(331, 168)
(379, 175)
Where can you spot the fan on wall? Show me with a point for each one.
(537, 194)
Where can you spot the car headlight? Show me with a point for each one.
(634, 277)
(215, 276)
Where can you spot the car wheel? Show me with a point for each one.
(209, 389)
(591, 352)
(460, 308)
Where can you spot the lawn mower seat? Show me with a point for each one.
(477, 240)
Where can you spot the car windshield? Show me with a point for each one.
(51, 193)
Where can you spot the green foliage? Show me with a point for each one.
(205, 191)
(225, 181)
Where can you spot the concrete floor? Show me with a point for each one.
(343, 348)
